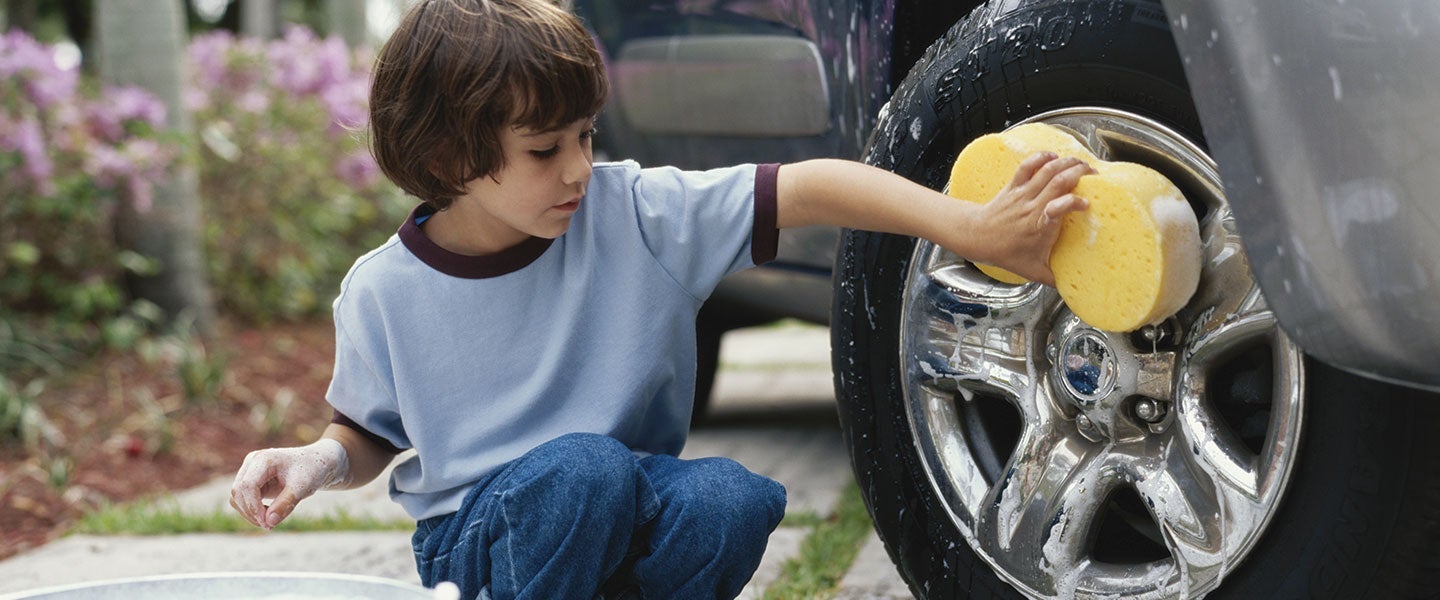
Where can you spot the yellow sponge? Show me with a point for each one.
(1131, 259)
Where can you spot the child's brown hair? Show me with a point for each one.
(455, 72)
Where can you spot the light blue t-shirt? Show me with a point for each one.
(473, 361)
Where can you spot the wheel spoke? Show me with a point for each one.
(978, 334)
(1043, 510)
(1210, 440)
(1193, 510)
(936, 428)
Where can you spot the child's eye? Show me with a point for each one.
(589, 133)
(546, 153)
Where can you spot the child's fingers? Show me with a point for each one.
(1029, 166)
(1056, 209)
(1064, 182)
(242, 488)
(1046, 174)
(283, 505)
(246, 492)
(242, 512)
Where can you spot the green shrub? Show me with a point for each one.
(291, 194)
(70, 153)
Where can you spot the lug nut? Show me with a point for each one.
(1149, 410)
(1087, 428)
(1162, 334)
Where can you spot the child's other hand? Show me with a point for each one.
(285, 476)
(1023, 220)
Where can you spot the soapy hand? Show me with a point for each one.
(1025, 216)
(285, 476)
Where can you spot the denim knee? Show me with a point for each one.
(738, 498)
(591, 466)
(563, 514)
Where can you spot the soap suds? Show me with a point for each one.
(1173, 217)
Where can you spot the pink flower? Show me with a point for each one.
(142, 194)
(33, 63)
(194, 99)
(27, 138)
(253, 101)
(208, 59)
(346, 104)
(119, 105)
(105, 164)
(358, 169)
(138, 104)
(146, 152)
(20, 53)
(52, 85)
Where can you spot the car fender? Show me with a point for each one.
(1319, 116)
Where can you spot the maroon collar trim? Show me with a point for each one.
(506, 261)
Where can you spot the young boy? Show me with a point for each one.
(529, 331)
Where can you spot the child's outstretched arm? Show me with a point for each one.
(341, 459)
(1014, 231)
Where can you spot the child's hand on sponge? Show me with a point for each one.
(1025, 216)
(1131, 259)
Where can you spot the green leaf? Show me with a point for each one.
(138, 264)
(24, 254)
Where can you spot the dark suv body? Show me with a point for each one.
(715, 83)
(1272, 439)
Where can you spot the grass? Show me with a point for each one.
(801, 518)
(827, 553)
(145, 518)
(824, 557)
(161, 518)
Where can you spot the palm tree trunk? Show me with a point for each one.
(258, 19)
(141, 43)
(20, 14)
(346, 18)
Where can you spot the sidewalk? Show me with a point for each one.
(773, 412)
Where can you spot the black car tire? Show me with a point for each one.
(1358, 517)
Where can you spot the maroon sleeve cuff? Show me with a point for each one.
(340, 419)
(765, 240)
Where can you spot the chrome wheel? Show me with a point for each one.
(1082, 463)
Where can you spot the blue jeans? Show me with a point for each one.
(580, 514)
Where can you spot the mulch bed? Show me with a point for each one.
(129, 432)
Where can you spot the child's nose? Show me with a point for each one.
(578, 169)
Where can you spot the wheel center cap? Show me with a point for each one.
(1087, 367)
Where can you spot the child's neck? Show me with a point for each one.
(468, 235)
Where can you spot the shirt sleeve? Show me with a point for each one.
(703, 225)
(339, 418)
(362, 396)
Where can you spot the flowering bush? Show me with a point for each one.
(292, 196)
(69, 152)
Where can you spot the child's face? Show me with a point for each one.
(540, 187)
